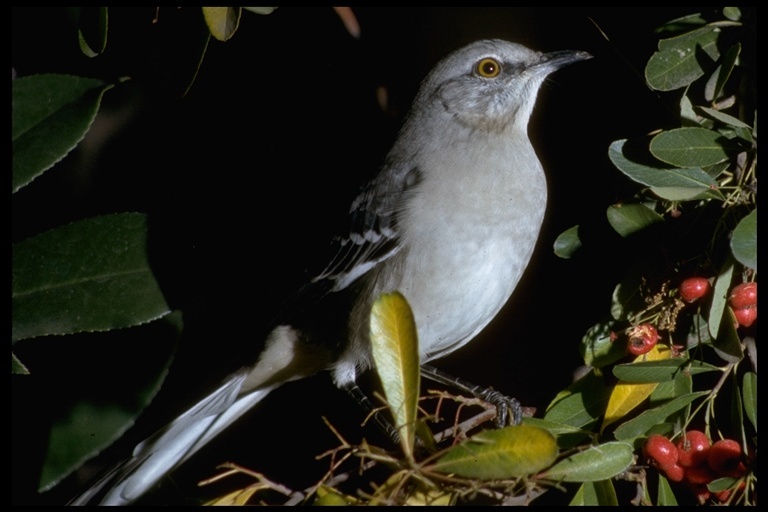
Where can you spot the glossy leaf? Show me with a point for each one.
(626, 396)
(722, 73)
(744, 241)
(92, 31)
(510, 452)
(680, 385)
(50, 115)
(677, 63)
(626, 297)
(594, 464)
(690, 147)
(749, 396)
(91, 275)
(665, 496)
(90, 426)
(630, 218)
(659, 370)
(595, 494)
(732, 13)
(727, 343)
(724, 118)
(631, 159)
(17, 366)
(260, 10)
(720, 291)
(581, 404)
(600, 347)
(222, 21)
(567, 243)
(641, 424)
(395, 349)
(683, 23)
(240, 497)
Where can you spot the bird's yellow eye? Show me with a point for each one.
(488, 67)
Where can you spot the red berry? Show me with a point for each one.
(745, 316)
(642, 338)
(699, 475)
(701, 492)
(694, 288)
(722, 496)
(693, 448)
(674, 472)
(724, 458)
(660, 451)
(744, 295)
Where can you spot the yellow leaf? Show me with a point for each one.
(239, 497)
(395, 350)
(222, 21)
(626, 396)
(510, 452)
(431, 497)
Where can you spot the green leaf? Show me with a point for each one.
(594, 464)
(720, 290)
(665, 496)
(646, 420)
(699, 333)
(90, 426)
(722, 74)
(395, 349)
(510, 452)
(92, 31)
(724, 118)
(744, 241)
(634, 160)
(568, 242)
(50, 115)
(597, 347)
(91, 275)
(581, 404)
(727, 343)
(690, 147)
(591, 494)
(721, 484)
(681, 385)
(660, 371)
(677, 63)
(626, 297)
(17, 366)
(630, 218)
(552, 426)
(626, 396)
(682, 23)
(222, 21)
(732, 13)
(260, 10)
(749, 396)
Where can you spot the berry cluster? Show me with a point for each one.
(743, 298)
(743, 301)
(696, 462)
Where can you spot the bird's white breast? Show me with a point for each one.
(468, 249)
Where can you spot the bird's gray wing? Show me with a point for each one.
(374, 233)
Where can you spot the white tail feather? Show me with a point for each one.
(168, 448)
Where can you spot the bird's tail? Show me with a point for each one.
(157, 455)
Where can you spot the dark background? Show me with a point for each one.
(247, 176)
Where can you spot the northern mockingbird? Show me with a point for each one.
(450, 221)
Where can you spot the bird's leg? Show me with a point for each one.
(508, 410)
(381, 421)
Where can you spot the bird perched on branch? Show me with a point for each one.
(450, 221)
